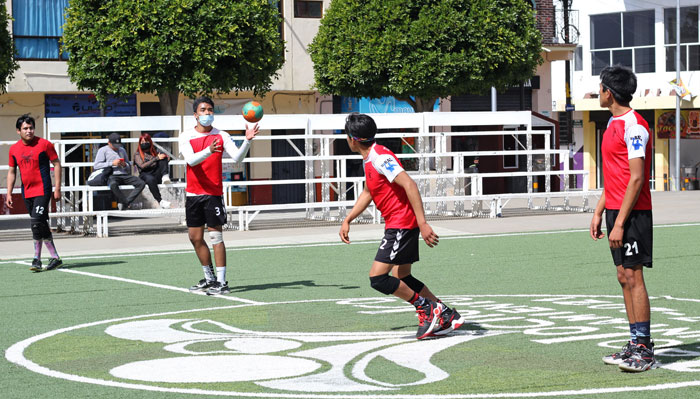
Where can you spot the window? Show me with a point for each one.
(690, 45)
(623, 38)
(308, 9)
(37, 29)
(578, 58)
(510, 143)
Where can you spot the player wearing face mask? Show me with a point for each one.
(202, 148)
(153, 168)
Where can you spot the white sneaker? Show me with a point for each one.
(164, 204)
(166, 179)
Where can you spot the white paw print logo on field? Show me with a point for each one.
(277, 359)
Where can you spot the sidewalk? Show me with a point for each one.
(669, 208)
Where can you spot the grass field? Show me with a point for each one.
(302, 322)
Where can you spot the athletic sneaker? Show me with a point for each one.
(202, 285)
(36, 265)
(166, 179)
(218, 289)
(54, 263)
(642, 359)
(619, 357)
(165, 204)
(428, 318)
(450, 320)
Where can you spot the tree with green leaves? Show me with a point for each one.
(8, 63)
(426, 49)
(167, 47)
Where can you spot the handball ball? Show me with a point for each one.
(252, 111)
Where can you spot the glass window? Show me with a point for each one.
(622, 57)
(308, 9)
(38, 27)
(689, 25)
(671, 58)
(578, 58)
(601, 59)
(605, 31)
(638, 28)
(644, 60)
(694, 58)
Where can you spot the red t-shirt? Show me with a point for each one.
(205, 178)
(626, 137)
(34, 161)
(381, 168)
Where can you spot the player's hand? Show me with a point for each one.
(251, 132)
(8, 199)
(615, 237)
(429, 235)
(57, 193)
(344, 232)
(595, 231)
(216, 146)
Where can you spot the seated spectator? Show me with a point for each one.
(153, 168)
(114, 156)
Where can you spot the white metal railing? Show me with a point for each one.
(441, 174)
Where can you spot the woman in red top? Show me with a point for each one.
(153, 167)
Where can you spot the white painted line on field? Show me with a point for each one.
(167, 287)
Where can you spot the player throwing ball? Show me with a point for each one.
(398, 199)
(202, 147)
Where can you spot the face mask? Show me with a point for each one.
(206, 120)
(145, 146)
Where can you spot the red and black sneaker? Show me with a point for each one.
(450, 320)
(619, 357)
(642, 359)
(428, 318)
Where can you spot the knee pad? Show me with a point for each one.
(384, 283)
(413, 283)
(216, 237)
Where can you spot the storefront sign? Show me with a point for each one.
(690, 124)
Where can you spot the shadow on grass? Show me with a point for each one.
(678, 353)
(71, 264)
(294, 285)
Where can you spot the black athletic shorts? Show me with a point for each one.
(637, 238)
(205, 209)
(38, 207)
(399, 246)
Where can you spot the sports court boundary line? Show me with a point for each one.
(331, 244)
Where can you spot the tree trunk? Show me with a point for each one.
(425, 104)
(168, 102)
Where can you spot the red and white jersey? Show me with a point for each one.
(626, 137)
(381, 168)
(204, 170)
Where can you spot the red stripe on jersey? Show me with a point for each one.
(206, 178)
(616, 169)
(390, 198)
(33, 160)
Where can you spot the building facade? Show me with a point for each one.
(642, 36)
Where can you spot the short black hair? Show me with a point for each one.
(360, 127)
(202, 99)
(25, 119)
(621, 82)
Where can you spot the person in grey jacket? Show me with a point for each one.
(114, 156)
